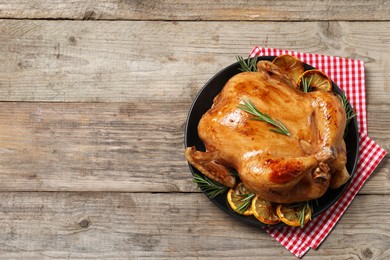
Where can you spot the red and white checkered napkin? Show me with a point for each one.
(348, 74)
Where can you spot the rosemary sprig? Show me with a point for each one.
(250, 108)
(306, 84)
(244, 202)
(249, 65)
(306, 207)
(347, 107)
(210, 187)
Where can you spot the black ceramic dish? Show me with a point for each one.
(203, 102)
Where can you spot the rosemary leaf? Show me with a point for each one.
(301, 213)
(302, 218)
(350, 113)
(250, 108)
(306, 84)
(249, 64)
(244, 202)
(306, 207)
(210, 187)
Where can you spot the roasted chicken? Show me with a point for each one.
(278, 168)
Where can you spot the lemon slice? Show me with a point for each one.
(293, 215)
(239, 199)
(264, 211)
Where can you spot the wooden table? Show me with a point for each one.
(94, 99)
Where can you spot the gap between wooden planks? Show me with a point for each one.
(277, 10)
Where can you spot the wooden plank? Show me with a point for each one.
(93, 146)
(196, 10)
(160, 226)
(134, 146)
(111, 61)
(376, 183)
(378, 123)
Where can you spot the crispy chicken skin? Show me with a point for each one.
(278, 168)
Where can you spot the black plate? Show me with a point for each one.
(203, 102)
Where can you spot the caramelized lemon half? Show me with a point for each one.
(314, 80)
(291, 65)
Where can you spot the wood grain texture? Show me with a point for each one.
(197, 10)
(132, 147)
(161, 226)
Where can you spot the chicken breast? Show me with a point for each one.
(276, 167)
